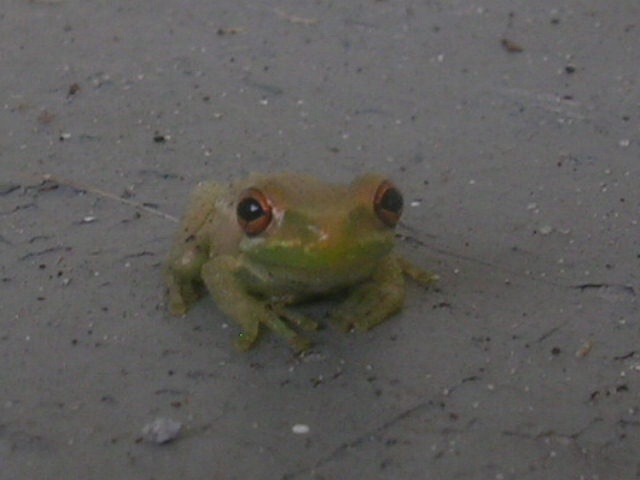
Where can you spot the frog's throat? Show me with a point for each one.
(317, 259)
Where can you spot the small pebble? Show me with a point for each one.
(161, 430)
(300, 429)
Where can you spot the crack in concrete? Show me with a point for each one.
(360, 439)
(45, 252)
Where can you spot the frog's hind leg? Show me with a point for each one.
(373, 301)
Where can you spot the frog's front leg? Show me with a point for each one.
(182, 276)
(373, 301)
(219, 275)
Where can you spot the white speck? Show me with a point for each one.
(161, 430)
(415, 203)
(532, 206)
(545, 229)
(472, 182)
(65, 136)
(300, 429)
(624, 143)
(89, 219)
(264, 101)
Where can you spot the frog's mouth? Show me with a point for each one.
(317, 258)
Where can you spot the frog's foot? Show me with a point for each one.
(183, 296)
(367, 308)
(297, 319)
(277, 325)
(263, 315)
(246, 339)
(423, 277)
(274, 321)
(374, 301)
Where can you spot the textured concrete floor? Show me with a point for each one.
(513, 129)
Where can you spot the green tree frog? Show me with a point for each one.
(267, 241)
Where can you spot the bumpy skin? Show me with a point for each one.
(323, 239)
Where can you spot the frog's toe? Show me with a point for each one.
(423, 277)
(344, 323)
(294, 318)
(367, 323)
(301, 321)
(300, 343)
(183, 296)
(178, 305)
(177, 308)
(245, 341)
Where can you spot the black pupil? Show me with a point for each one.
(250, 209)
(391, 201)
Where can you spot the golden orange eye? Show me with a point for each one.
(387, 203)
(254, 211)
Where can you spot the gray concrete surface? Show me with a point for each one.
(513, 128)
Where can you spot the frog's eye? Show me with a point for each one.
(254, 211)
(387, 203)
